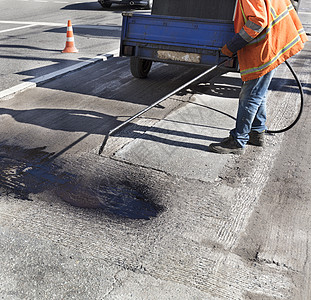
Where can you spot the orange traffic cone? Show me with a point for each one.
(70, 43)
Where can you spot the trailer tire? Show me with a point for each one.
(140, 67)
(104, 4)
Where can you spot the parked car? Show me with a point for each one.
(296, 3)
(146, 3)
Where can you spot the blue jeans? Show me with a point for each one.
(252, 108)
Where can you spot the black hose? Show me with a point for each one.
(301, 103)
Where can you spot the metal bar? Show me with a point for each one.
(156, 103)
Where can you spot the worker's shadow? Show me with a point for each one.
(26, 170)
(72, 120)
(92, 122)
(219, 87)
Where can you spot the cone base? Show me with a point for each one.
(70, 50)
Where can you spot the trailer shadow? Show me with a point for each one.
(112, 80)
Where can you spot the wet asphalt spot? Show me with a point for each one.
(25, 171)
(114, 196)
(32, 171)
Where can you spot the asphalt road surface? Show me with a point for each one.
(156, 216)
(33, 34)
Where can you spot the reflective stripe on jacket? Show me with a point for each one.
(273, 32)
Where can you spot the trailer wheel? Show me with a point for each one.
(140, 67)
(104, 4)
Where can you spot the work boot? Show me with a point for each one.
(256, 138)
(227, 146)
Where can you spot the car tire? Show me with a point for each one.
(149, 5)
(104, 4)
(140, 67)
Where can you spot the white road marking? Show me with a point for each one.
(97, 27)
(17, 88)
(16, 28)
(33, 23)
(9, 93)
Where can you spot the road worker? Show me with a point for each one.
(268, 32)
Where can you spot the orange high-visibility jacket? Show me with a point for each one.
(273, 33)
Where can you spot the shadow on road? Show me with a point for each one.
(117, 8)
(111, 31)
(83, 6)
(25, 47)
(57, 63)
(91, 122)
(112, 80)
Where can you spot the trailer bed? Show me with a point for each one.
(172, 39)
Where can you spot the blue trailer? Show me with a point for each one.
(175, 40)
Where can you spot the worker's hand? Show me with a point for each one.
(225, 50)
